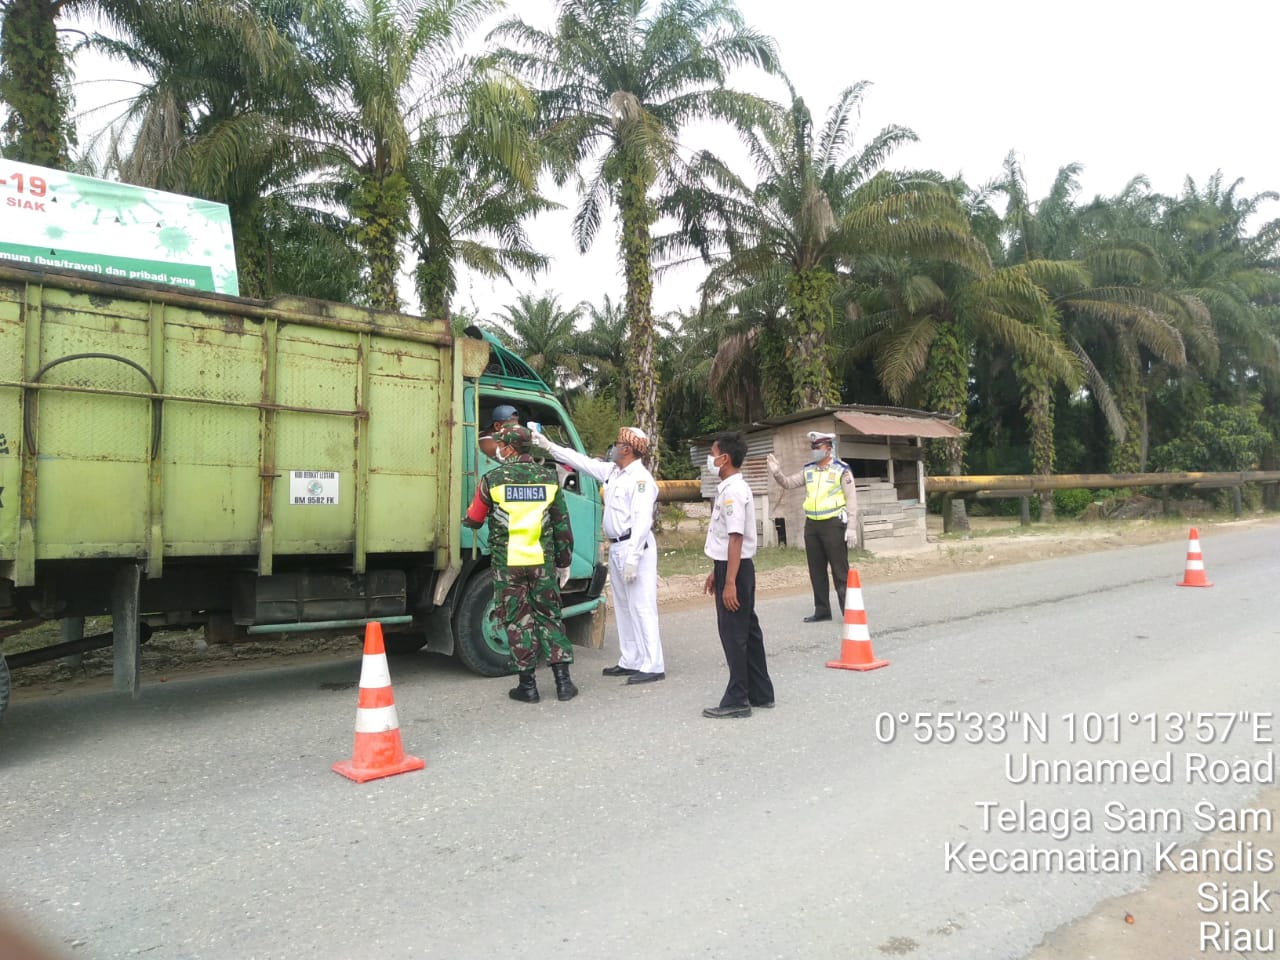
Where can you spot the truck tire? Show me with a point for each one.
(4, 685)
(481, 649)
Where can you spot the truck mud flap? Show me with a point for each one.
(588, 629)
(598, 576)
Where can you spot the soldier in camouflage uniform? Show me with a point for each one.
(528, 532)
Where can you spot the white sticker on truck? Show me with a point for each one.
(313, 487)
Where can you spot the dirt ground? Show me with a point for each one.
(992, 542)
(1162, 921)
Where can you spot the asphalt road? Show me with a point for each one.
(204, 821)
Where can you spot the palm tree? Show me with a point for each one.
(34, 74)
(1120, 314)
(819, 217)
(1125, 322)
(305, 252)
(703, 384)
(35, 85)
(617, 84)
(749, 374)
(225, 115)
(924, 321)
(393, 74)
(603, 348)
(467, 212)
(543, 333)
(1233, 274)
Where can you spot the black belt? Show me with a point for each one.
(625, 536)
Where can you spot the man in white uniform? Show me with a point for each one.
(731, 543)
(629, 499)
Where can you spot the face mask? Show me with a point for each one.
(611, 454)
(711, 464)
(499, 456)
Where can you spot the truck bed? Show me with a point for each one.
(139, 421)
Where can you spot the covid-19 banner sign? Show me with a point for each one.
(49, 218)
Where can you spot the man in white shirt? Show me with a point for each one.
(731, 543)
(630, 496)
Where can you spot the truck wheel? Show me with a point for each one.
(4, 684)
(481, 649)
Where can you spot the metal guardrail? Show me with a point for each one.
(675, 491)
(1024, 486)
(1035, 482)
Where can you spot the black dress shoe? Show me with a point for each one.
(640, 677)
(815, 618)
(618, 671)
(726, 713)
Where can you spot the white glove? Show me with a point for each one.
(542, 441)
(630, 568)
(851, 541)
(772, 461)
(562, 576)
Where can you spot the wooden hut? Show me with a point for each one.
(883, 445)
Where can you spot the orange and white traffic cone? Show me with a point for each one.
(1194, 577)
(378, 750)
(855, 646)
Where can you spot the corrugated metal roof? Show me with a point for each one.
(921, 418)
(893, 425)
(909, 412)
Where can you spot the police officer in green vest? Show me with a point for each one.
(830, 519)
(528, 533)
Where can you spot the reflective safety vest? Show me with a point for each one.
(824, 490)
(523, 507)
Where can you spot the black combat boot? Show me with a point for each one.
(565, 690)
(528, 689)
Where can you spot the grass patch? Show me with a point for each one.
(1068, 525)
(688, 560)
(1016, 530)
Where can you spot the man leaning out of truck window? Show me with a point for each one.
(504, 414)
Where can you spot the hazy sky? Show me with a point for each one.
(1123, 87)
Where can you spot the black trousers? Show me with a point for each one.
(742, 639)
(825, 548)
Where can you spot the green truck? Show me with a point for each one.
(182, 460)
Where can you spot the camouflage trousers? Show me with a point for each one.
(526, 607)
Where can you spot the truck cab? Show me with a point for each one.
(509, 380)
